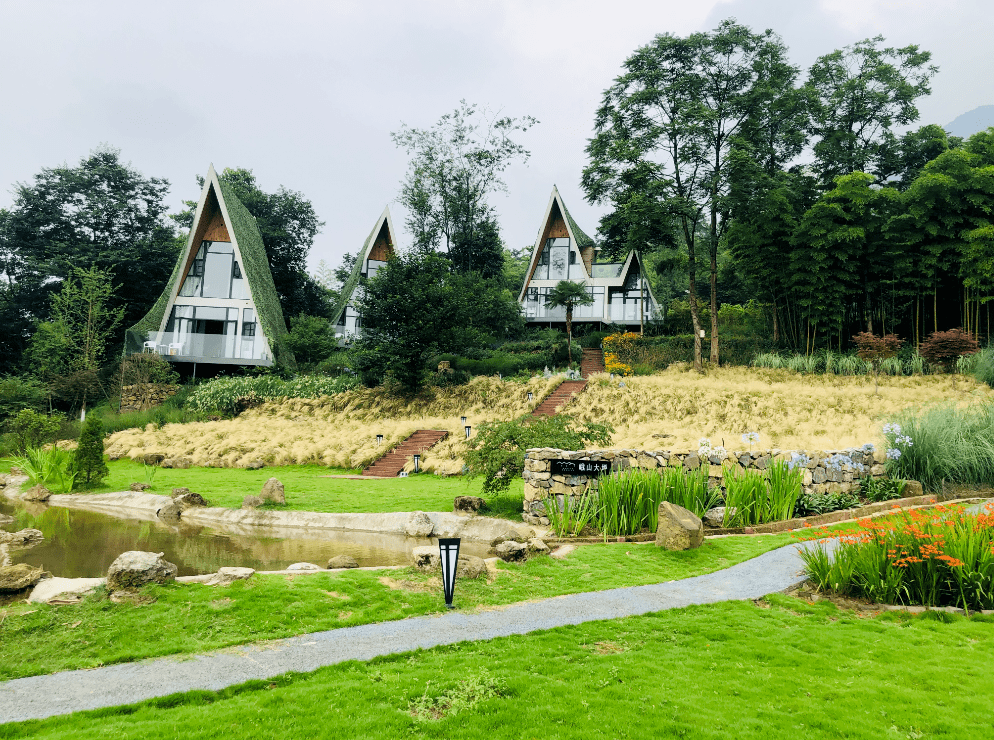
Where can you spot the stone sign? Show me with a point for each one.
(580, 467)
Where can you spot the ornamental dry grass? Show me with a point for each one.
(672, 410)
(340, 430)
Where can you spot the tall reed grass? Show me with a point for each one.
(943, 443)
(834, 363)
(51, 467)
(755, 497)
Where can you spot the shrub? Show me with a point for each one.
(17, 394)
(497, 452)
(944, 348)
(940, 558)
(942, 444)
(875, 350)
(88, 459)
(31, 429)
(230, 395)
(809, 504)
(52, 468)
(881, 489)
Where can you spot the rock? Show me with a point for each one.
(4, 556)
(819, 475)
(5, 519)
(180, 492)
(426, 558)
(561, 552)
(139, 487)
(255, 465)
(511, 552)
(470, 567)
(152, 458)
(342, 561)
(37, 493)
(913, 488)
(14, 470)
(182, 463)
(57, 589)
(494, 531)
(692, 462)
(304, 566)
(190, 499)
(272, 490)
(716, 517)
(678, 528)
(467, 504)
(418, 525)
(19, 577)
(227, 576)
(22, 538)
(538, 546)
(170, 512)
(134, 569)
(252, 502)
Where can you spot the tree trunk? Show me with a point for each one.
(776, 324)
(714, 306)
(698, 364)
(569, 336)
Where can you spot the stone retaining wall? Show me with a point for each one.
(144, 396)
(820, 474)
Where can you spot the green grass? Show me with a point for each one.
(780, 669)
(308, 488)
(37, 639)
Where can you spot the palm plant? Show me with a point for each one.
(569, 295)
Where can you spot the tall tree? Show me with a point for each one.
(288, 224)
(672, 116)
(568, 295)
(857, 95)
(455, 166)
(101, 213)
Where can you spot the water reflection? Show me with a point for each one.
(83, 544)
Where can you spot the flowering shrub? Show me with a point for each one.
(943, 557)
(229, 395)
(616, 345)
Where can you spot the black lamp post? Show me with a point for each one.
(448, 551)
(468, 430)
(417, 463)
(379, 439)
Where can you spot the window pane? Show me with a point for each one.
(557, 263)
(217, 272)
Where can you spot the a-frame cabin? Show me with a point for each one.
(564, 252)
(376, 250)
(220, 306)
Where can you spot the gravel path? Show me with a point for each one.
(60, 693)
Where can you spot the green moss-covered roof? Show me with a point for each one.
(582, 240)
(350, 285)
(260, 281)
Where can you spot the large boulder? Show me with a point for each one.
(716, 517)
(272, 490)
(180, 463)
(470, 566)
(189, 499)
(426, 558)
(255, 465)
(227, 576)
(170, 512)
(678, 528)
(537, 546)
(913, 488)
(304, 567)
(467, 505)
(64, 590)
(36, 493)
(419, 525)
(20, 576)
(134, 569)
(152, 458)
(252, 502)
(342, 561)
(5, 518)
(511, 552)
(22, 538)
(4, 556)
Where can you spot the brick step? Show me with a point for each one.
(591, 362)
(392, 462)
(559, 397)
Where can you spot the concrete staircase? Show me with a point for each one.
(560, 396)
(592, 362)
(390, 465)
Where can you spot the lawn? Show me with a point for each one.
(308, 487)
(777, 669)
(38, 639)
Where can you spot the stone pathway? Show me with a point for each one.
(60, 693)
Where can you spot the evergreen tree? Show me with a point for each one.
(88, 459)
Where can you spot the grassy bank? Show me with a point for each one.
(778, 669)
(38, 639)
(308, 487)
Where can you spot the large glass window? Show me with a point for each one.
(214, 273)
(212, 332)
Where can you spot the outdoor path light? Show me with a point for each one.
(417, 463)
(379, 439)
(448, 551)
(468, 430)
(463, 420)
(530, 395)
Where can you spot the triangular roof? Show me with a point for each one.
(578, 238)
(382, 227)
(220, 211)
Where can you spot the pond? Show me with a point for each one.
(83, 544)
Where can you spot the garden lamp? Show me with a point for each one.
(448, 551)
(463, 420)
(530, 395)
(417, 463)
(468, 430)
(379, 439)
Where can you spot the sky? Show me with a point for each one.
(306, 93)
